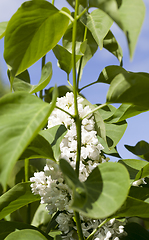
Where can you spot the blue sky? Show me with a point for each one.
(138, 128)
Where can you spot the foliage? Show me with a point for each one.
(111, 190)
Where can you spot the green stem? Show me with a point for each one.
(87, 86)
(53, 2)
(77, 118)
(81, 60)
(26, 169)
(68, 15)
(95, 109)
(92, 234)
(78, 223)
(28, 220)
(68, 80)
(42, 66)
(82, 13)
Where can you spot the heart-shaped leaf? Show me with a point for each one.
(104, 191)
(141, 149)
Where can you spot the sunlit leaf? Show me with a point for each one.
(26, 234)
(33, 30)
(17, 197)
(129, 15)
(3, 26)
(104, 191)
(99, 24)
(141, 149)
(22, 115)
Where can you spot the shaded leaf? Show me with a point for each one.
(17, 197)
(128, 87)
(91, 47)
(133, 208)
(133, 166)
(26, 234)
(135, 232)
(64, 58)
(9, 227)
(126, 111)
(104, 191)
(22, 115)
(54, 136)
(39, 148)
(3, 26)
(141, 149)
(110, 43)
(144, 172)
(19, 85)
(141, 193)
(41, 216)
(62, 90)
(28, 37)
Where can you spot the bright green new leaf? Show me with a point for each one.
(64, 58)
(22, 115)
(128, 87)
(133, 166)
(19, 85)
(17, 197)
(33, 30)
(141, 149)
(26, 234)
(3, 26)
(99, 24)
(104, 191)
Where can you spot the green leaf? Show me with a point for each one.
(110, 43)
(33, 30)
(126, 111)
(22, 115)
(54, 136)
(91, 47)
(107, 111)
(133, 166)
(104, 191)
(99, 24)
(141, 149)
(62, 90)
(64, 58)
(3, 26)
(133, 208)
(41, 216)
(141, 193)
(128, 87)
(17, 197)
(144, 172)
(10, 226)
(129, 15)
(39, 148)
(135, 232)
(26, 234)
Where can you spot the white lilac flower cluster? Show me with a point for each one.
(50, 184)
